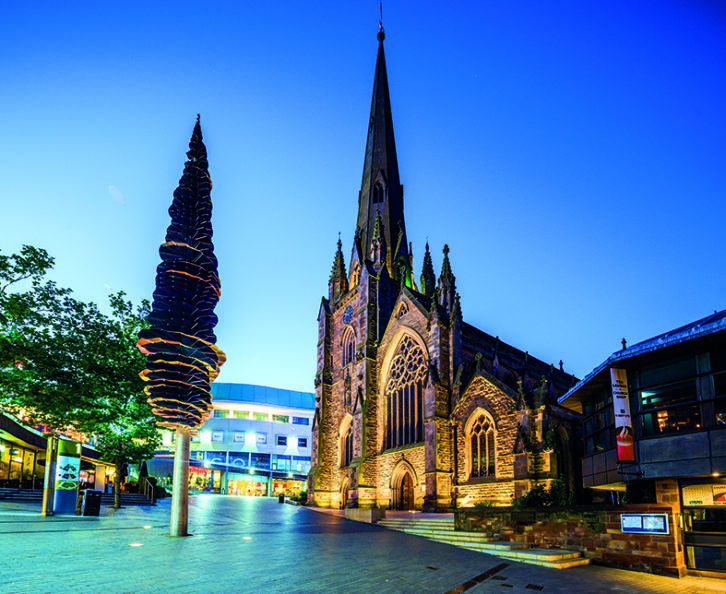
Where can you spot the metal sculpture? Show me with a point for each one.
(182, 358)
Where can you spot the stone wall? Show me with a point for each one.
(593, 530)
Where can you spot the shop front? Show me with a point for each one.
(205, 479)
(20, 467)
(287, 486)
(704, 524)
(251, 485)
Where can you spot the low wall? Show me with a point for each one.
(593, 530)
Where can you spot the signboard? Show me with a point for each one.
(644, 523)
(623, 423)
(698, 495)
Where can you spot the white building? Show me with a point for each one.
(257, 443)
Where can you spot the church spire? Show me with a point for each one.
(447, 284)
(428, 276)
(338, 283)
(381, 188)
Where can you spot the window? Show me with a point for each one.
(719, 403)
(302, 442)
(280, 419)
(404, 395)
(346, 447)
(281, 462)
(598, 425)
(261, 438)
(669, 409)
(481, 447)
(260, 416)
(281, 440)
(220, 414)
(379, 193)
(241, 414)
(239, 437)
(217, 435)
(260, 460)
(348, 347)
(300, 421)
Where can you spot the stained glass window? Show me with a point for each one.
(482, 447)
(404, 395)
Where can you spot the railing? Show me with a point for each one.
(148, 490)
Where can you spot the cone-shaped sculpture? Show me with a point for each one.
(182, 358)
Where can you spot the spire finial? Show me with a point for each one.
(197, 118)
(381, 33)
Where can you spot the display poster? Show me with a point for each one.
(67, 472)
(719, 494)
(623, 422)
(644, 523)
(697, 495)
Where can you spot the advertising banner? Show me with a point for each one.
(623, 422)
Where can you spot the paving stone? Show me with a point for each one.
(258, 545)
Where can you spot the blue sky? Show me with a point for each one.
(571, 154)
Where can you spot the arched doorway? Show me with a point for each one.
(402, 497)
(406, 497)
(344, 494)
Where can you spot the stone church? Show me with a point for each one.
(415, 408)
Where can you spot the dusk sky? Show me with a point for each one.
(572, 155)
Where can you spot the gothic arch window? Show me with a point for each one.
(346, 441)
(404, 395)
(379, 193)
(481, 445)
(348, 347)
(354, 275)
(402, 311)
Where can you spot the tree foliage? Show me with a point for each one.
(66, 364)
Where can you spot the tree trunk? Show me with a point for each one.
(117, 486)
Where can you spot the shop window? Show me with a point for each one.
(241, 414)
(481, 448)
(302, 442)
(260, 416)
(280, 419)
(404, 395)
(300, 421)
(670, 409)
(220, 414)
(281, 440)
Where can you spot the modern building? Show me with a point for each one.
(655, 429)
(414, 408)
(258, 442)
(23, 452)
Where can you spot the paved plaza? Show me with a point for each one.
(258, 545)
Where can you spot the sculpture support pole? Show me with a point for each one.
(180, 485)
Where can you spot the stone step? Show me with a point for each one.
(443, 531)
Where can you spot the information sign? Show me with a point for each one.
(644, 523)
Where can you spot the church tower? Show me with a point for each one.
(416, 409)
(353, 316)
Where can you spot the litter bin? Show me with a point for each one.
(91, 502)
(280, 499)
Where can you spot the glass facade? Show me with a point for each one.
(20, 468)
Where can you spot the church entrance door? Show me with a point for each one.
(406, 497)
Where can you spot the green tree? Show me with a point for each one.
(66, 364)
